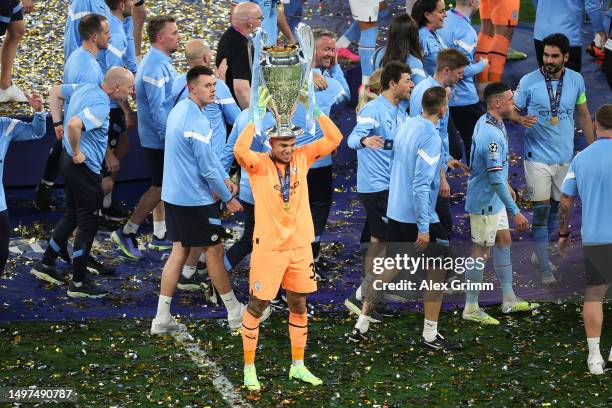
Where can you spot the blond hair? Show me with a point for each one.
(370, 91)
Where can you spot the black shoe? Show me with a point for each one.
(440, 343)
(386, 311)
(201, 268)
(113, 213)
(86, 290)
(96, 267)
(65, 256)
(47, 273)
(356, 336)
(42, 198)
(189, 284)
(354, 306)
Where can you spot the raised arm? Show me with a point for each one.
(248, 159)
(324, 146)
(22, 131)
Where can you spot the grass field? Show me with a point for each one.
(537, 360)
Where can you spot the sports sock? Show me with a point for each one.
(482, 50)
(503, 269)
(159, 229)
(232, 304)
(358, 294)
(540, 235)
(250, 334)
(163, 306)
(130, 228)
(108, 200)
(298, 333)
(363, 323)
(202, 257)
(473, 273)
(553, 217)
(430, 330)
(188, 271)
(367, 46)
(593, 343)
(497, 57)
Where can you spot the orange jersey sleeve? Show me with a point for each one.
(248, 159)
(322, 147)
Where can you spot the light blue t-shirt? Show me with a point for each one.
(589, 178)
(378, 117)
(567, 17)
(415, 174)
(432, 44)
(16, 130)
(191, 168)
(415, 64)
(92, 105)
(489, 165)
(545, 142)
(82, 68)
(77, 9)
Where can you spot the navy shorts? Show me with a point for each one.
(10, 10)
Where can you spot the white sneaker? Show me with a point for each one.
(12, 93)
(235, 322)
(167, 325)
(610, 356)
(596, 365)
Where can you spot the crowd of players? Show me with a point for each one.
(430, 98)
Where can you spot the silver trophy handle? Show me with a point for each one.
(307, 44)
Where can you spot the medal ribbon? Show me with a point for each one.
(555, 98)
(285, 182)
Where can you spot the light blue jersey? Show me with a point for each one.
(545, 142)
(589, 178)
(459, 34)
(132, 61)
(378, 117)
(415, 174)
(16, 130)
(337, 92)
(223, 110)
(92, 105)
(116, 53)
(260, 145)
(488, 166)
(154, 97)
(77, 9)
(432, 44)
(415, 64)
(270, 21)
(416, 108)
(82, 68)
(566, 16)
(191, 168)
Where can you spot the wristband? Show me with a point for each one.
(566, 235)
(362, 140)
(56, 124)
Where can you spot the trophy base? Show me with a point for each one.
(284, 132)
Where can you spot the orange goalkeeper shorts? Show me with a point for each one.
(292, 268)
(500, 12)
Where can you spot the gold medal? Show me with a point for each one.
(286, 206)
(554, 120)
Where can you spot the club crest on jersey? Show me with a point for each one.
(257, 286)
(493, 147)
(294, 169)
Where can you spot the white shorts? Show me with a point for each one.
(364, 10)
(544, 180)
(484, 227)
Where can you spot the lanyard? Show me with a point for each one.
(555, 98)
(498, 124)
(459, 14)
(284, 182)
(438, 39)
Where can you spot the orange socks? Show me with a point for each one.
(250, 334)
(497, 57)
(482, 50)
(298, 332)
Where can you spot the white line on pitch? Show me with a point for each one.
(221, 383)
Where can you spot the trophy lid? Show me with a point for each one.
(284, 133)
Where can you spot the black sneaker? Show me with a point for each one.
(47, 273)
(440, 343)
(65, 256)
(354, 306)
(189, 284)
(113, 213)
(211, 294)
(356, 336)
(96, 267)
(86, 290)
(42, 197)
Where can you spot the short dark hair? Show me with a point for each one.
(451, 58)
(89, 25)
(603, 116)
(156, 25)
(194, 73)
(494, 89)
(113, 4)
(321, 32)
(433, 99)
(420, 8)
(557, 40)
(393, 71)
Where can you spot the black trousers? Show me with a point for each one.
(319, 196)
(4, 239)
(244, 245)
(84, 195)
(443, 210)
(52, 168)
(454, 140)
(575, 56)
(465, 118)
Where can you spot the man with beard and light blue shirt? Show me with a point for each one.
(273, 19)
(489, 197)
(78, 9)
(551, 94)
(194, 182)
(464, 104)
(154, 100)
(372, 137)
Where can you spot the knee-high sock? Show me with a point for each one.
(298, 333)
(497, 57)
(350, 35)
(503, 269)
(541, 213)
(367, 46)
(482, 50)
(474, 273)
(250, 334)
(553, 217)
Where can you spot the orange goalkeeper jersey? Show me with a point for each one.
(278, 227)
